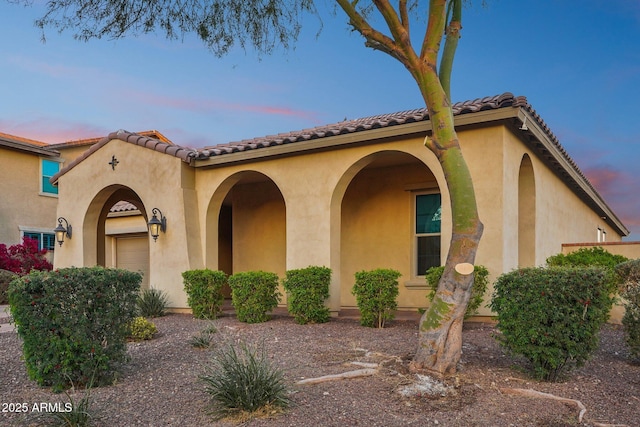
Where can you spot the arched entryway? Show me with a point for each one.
(246, 225)
(390, 217)
(526, 214)
(114, 232)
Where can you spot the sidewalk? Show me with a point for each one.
(5, 326)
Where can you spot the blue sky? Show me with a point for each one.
(577, 62)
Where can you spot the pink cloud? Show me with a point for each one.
(52, 130)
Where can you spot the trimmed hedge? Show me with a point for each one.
(74, 323)
(204, 292)
(6, 277)
(480, 282)
(630, 290)
(308, 289)
(552, 316)
(376, 292)
(254, 294)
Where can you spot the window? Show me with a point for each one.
(49, 168)
(428, 216)
(45, 240)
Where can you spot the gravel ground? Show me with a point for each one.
(160, 387)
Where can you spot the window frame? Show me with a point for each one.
(24, 231)
(42, 176)
(415, 235)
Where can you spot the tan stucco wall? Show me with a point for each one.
(21, 202)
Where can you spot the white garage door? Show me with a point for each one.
(132, 253)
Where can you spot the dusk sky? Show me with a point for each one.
(576, 61)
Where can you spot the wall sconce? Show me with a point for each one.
(61, 231)
(157, 225)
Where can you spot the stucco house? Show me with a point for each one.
(355, 195)
(28, 200)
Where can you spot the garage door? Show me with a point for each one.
(132, 253)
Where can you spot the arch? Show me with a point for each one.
(245, 225)
(372, 215)
(94, 238)
(526, 214)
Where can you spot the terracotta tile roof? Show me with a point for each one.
(123, 206)
(90, 141)
(361, 124)
(28, 145)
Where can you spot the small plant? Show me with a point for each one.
(254, 294)
(204, 292)
(141, 329)
(480, 282)
(552, 316)
(629, 288)
(204, 338)
(152, 303)
(241, 382)
(376, 292)
(308, 288)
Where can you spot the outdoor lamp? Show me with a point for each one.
(157, 225)
(61, 231)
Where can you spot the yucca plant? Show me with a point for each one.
(152, 303)
(242, 382)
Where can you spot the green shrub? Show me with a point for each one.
(241, 381)
(141, 329)
(630, 290)
(551, 316)
(204, 292)
(73, 323)
(152, 303)
(254, 294)
(6, 277)
(376, 292)
(480, 282)
(307, 289)
(204, 338)
(595, 257)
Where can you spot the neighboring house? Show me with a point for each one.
(356, 195)
(28, 201)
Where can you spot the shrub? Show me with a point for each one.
(23, 258)
(595, 257)
(73, 323)
(480, 282)
(242, 382)
(152, 303)
(376, 292)
(307, 289)
(141, 329)
(204, 338)
(6, 277)
(254, 294)
(630, 290)
(551, 316)
(204, 292)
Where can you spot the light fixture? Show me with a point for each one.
(61, 231)
(157, 225)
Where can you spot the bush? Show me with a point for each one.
(242, 382)
(630, 290)
(254, 294)
(595, 257)
(204, 292)
(551, 316)
(480, 282)
(73, 323)
(307, 289)
(152, 303)
(23, 258)
(141, 329)
(6, 277)
(376, 292)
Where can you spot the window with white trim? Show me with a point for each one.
(427, 232)
(48, 168)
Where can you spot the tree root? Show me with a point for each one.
(358, 373)
(540, 395)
